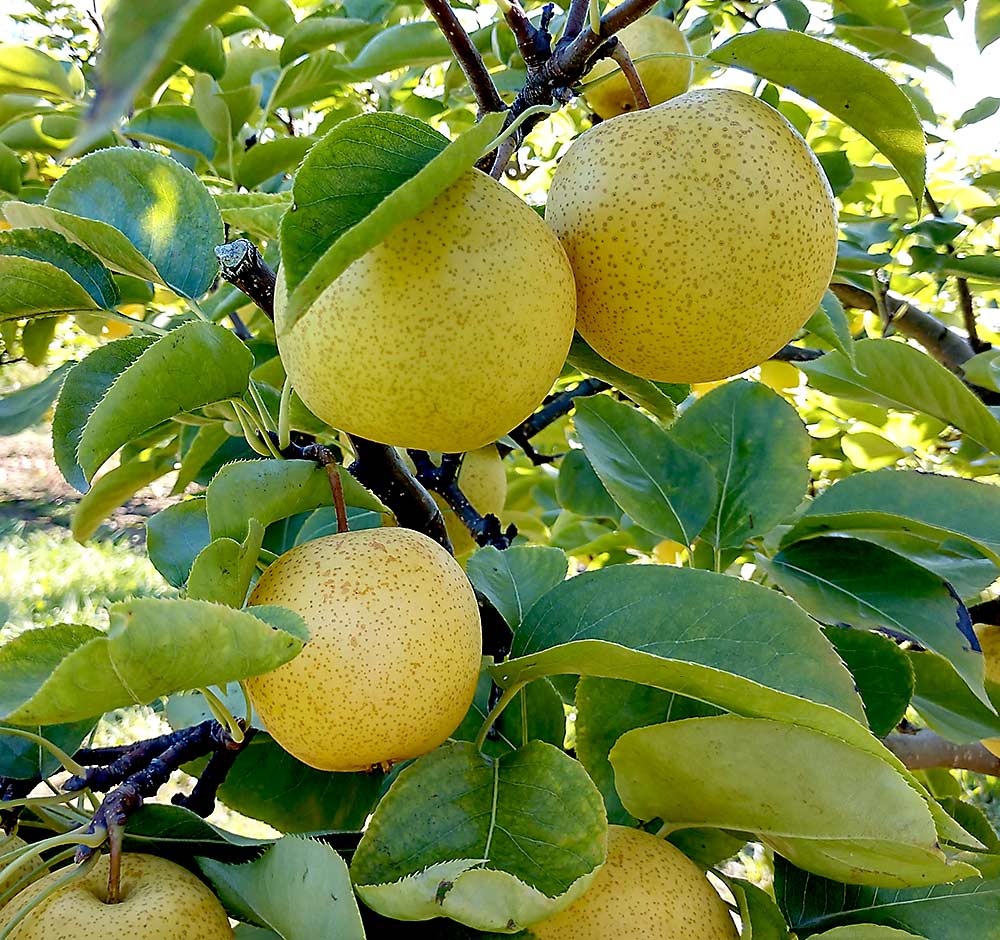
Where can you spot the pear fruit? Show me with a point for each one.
(702, 234)
(10, 844)
(663, 78)
(646, 889)
(394, 655)
(444, 336)
(989, 640)
(159, 901)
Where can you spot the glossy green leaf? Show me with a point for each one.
(155, 203)
(195, 365)
(135, 43)
(21, 409)
(299, 888)
(866, 932)
(496, 844)
(174, 125)
(269, 490)
(887, 42)
(116, 486)
(408, 45)
(987, 22)
(605, 710)
(153, 647)
(318, 31)
(648, 394)
(400, 164)
(861, 95)
(857, 260)
(265, 160)
(794, 788)
(864, 585)
(946, 703)
(25, 70)
(257, 214)
(879, 13)
(205, 444)
(580, 490)
(983, 369)
(514, 579)
(759, 915)
(174, 538)
(960, 911)
(21, 759)
(830, 323)
(86, 384)
(898, 376)
(28, 285)
(663, 486)
(882, 673)
(983, 109)
(983, 267)
(224, 568)
(758, 450)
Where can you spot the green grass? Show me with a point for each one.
(46, 578)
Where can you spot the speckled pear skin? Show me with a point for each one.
(702, 234)
(447, 334)
(663, 78)
(647, 890)
(394, 658)
(10, 845)
(159, 901)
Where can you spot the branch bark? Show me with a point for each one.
(924, 750)
(242, 265)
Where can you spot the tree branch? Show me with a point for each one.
(924, 750)
(467, 56)
(790, 353)
(244, 267)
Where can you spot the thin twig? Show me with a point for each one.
(244, 267)
(790, 353)
(631, 73)
(923, 750)
(576, 17)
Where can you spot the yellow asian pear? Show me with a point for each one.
(647, 890)
(393, 660)
(483, 481)
(663, 78)
(159, 901)
(445, 335)
(701, 232)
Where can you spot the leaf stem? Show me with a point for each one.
(284, 417)
(222, 714)
(505, 699)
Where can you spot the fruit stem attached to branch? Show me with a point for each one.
(625, 63)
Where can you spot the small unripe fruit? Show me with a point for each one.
(663, 78)
(159, 901)
(701, 232)
(646, 889)
(392, 665)
(445, 335)
(484, 483)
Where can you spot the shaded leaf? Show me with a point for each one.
(25, 407)
(175, 536)
(514, 579)
(830, 323)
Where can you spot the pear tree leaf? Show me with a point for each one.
(21, 759)
(830, 323)
(174, 538)
(224, 568)
(299, 888)
(153, 647)
(25, 70)
(494, 843)
(21, 409)
(265, 160)
(793, 788)
(848, 86)
(987, 22)
(176, 126)
(945, 702)
(514, 579)
(400, 166)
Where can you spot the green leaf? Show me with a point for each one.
(174, 125)
(960, 911)
(205, 444)
(983, 109)
(195, 365)
(175, 536)
(984, 267)
(514, 579)
(155, 203)
(299, 888)
(118, 485)
(318, 31)
(135, 44)
(10, 170)
(28, 284)
(759, 914)
(605, 710)
(398, 164)
(650, 395)
(265, 160)
(580, 490)
(24, 408)
(898, 376)
(664, 487)
(987, 22)
(727, 642)
(36, 339)
(879, 13)
(257, 214)
(945, 702)
(86, 384)
(865, 932)
(154, 825)
(861, 95)
(25, 70)
(838, 169)
(859, 260)
(224, 568)
(408, 45)
(495, 844)
(864, 585)
(887, 42)
(830, 323)
(153, 647)
(983, 369)
(758, 450)
(321, 75)
(21, 759)
(882, 674)
(793, 788)
(269, 490)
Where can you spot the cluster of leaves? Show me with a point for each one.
(814, 605)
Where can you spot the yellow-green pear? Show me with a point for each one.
(702, 234)
(483, 482)
(647, 890)
(393, 660)
(444, 336)
(989, 640)
(663, 78)
(159, 901)
(10, 844)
